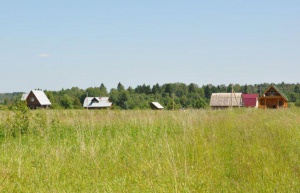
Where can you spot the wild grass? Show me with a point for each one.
(242, 150)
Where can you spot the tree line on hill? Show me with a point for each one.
(170, 95)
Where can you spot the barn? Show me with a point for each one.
(225, 100)
(272, 98)
(97, 103)
(156, 106)
(250, 100)
(37, 99)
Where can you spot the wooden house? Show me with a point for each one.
(250, 100)
(156, 106)
(272, 98)
(37, 99)
(225, 100)
(97, 103)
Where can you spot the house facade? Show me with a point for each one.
(37, 99)
(272, 99)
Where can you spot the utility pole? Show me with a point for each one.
(87, 101)
(231, 95)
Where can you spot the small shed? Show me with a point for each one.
(272, 98)
(225, 100)
(37, 99)
(250, 100)
(156, 106)
(97, 103)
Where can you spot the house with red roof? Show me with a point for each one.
(250, 100)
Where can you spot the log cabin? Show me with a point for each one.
(272, 98)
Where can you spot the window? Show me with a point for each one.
(31, 99)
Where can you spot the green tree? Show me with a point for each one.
(66, 102)
(297, 89)
(103, 90)
(200, 104)
(77, 104)
(156, 89)
(120, 87)
(207, 91)
(245, 89)
(122, 100)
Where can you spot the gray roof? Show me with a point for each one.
(24, 96)
(224, 99)
(96, 102)
(157, 105)
(41, 97)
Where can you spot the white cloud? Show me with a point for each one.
(44, 55)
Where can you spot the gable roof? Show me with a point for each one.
(277, 90)
(249, 100)
(41, 97)
(224, 99)
(157, 105)
(96, 102)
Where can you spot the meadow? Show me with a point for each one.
(239, 150)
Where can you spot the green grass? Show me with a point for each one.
(244, 150)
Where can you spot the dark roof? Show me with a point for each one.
(249, 100)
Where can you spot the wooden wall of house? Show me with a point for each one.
(273, 102)
(32, 101)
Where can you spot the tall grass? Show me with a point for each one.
(243, 150)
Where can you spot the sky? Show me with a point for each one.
(59, 44)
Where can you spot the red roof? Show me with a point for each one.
(249, 100)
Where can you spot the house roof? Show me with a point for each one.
(249, 100)
(41, 97)
(96, 102)
(224, 99)
(157, 105)
(24, 96)
(273, 86)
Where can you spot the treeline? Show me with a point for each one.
(171, 95)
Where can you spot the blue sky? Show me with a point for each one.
(60, 44)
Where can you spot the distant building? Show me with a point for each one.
(96, 102)
(37, 99)
(250, 100)
(156, 106)
(24, 96)
(225, 100)
(272, 98)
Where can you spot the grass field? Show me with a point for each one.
(241, 150)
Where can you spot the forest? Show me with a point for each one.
(185, 96)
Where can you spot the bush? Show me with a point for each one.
(297, 103)
(18, 123)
